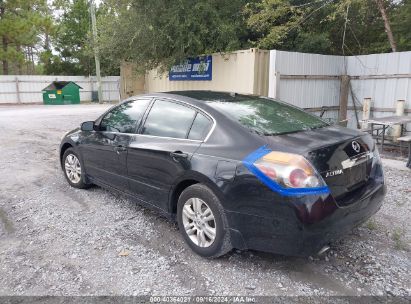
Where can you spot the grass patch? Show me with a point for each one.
(398, 238)
(371, 225)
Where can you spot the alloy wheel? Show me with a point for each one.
(73, 168)
(199, 222)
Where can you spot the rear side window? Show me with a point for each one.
(125, 117)
(169, 119)
(200, 128)
(266, 116)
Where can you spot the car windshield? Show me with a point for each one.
(266, 116)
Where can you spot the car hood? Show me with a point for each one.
(72, 132)
(69, 135)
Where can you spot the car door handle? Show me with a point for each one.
(119, 149)
(178, 154)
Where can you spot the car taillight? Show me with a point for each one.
(286, 173)
(299, 179)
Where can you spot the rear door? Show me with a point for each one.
(162, 150)
(105, 150)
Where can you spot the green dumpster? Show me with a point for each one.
(61, 92)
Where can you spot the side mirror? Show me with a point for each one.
(87, 126)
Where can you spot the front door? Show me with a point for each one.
(104, 155)
(105, 150)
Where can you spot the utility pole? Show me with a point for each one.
(96, 54)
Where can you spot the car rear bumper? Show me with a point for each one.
(300, 226)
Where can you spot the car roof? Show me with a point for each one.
(200, 98)
(210, 95)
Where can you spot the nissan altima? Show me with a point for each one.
(234, 171)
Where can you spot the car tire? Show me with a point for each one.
(73, 169)
(199, 214)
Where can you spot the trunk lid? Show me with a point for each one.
(342, 156)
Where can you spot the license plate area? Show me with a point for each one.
(357, 170)
(356, 176)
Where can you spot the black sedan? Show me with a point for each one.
(235, 171)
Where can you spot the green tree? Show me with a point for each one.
(322, 26)
(21, 29)
(159, 33)
(73, 41)
(400, 17)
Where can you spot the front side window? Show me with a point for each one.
(169, 119)
(125, 117)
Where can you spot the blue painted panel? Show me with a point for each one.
(199, 68)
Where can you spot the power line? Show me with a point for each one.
(310, 14)
(307, 4)
(345, 29)
(355, 36)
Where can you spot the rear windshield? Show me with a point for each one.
(266, 116)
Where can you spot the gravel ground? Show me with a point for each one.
(56, 240)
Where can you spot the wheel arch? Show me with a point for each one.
(63, 149)
(186, 181)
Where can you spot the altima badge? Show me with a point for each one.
(334, 173)
(356, 146)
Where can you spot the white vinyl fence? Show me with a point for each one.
(29, 88)
(314, 82)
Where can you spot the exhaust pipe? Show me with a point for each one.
(323, 250)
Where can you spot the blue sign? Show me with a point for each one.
(200, 68)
